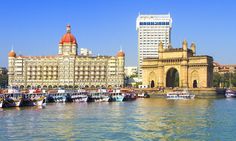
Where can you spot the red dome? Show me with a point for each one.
(12, 54)
(68, 37)
(120, 54)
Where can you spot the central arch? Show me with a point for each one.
(172, 78)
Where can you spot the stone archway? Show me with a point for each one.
(152, 79)
(194, 83)
(172, 78)
(152, 84)
(194, 79)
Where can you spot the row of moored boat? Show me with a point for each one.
(40, 99)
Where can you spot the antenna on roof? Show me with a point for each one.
(121, 48)
(12, 47)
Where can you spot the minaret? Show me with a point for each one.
(160, 50)
(185, 49)
(193, 48)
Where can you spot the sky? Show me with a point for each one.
(35, 27)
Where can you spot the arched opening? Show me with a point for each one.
(152, 84)
(76, 86)
(50, 86)
(55, 86)
(195, 79)
(97, 86)
(28, 86)
(194, 83)
(86, 86)
(70, 86)
(38, 86)
(21, 87)
(172, 78)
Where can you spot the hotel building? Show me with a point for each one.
(152, 29)
(66, 69)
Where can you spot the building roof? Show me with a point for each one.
(68, 37)
(120, 54)
(12, 53)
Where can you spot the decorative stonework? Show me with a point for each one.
(67, 69)
(178, 67)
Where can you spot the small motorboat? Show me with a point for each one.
(143, 95)
(185, 94)
(229, 93)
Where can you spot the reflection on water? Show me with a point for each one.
(143, 119)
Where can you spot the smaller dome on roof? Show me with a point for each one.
(12, 53)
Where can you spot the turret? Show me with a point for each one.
(185, 45)
(193, 48)
(160, 50)
(185, 49)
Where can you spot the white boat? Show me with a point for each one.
(39, 101)
(79, 96)
(229, 93)
(180, 95)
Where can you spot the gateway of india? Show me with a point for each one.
(66, 69)
(178, 67)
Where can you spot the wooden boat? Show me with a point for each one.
(129, 97)
(12, 100)
(79, 96)
(30, 99)
(98, 97)
(117, 96)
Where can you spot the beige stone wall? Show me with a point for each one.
(189, 67)
(73, 71)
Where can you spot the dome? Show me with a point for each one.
(12, 54)
(68, 37)
(120, 54)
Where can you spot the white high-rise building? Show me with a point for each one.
(152, 29)
(85, 52)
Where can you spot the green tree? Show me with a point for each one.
(216, 79)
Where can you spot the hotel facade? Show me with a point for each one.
(152, 29)
(66, 69)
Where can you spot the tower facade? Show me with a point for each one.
(152, 29)
(68, 43)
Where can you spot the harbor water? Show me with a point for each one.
(142, 119)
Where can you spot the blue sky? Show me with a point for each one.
(35, 27)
